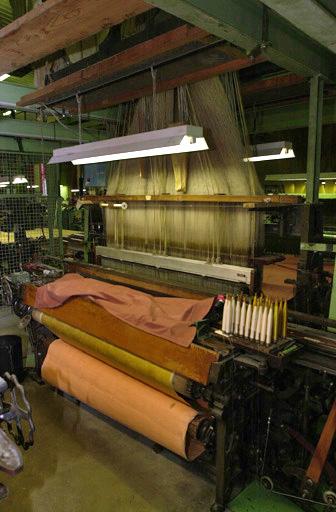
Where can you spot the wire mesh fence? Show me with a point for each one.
(30, 220)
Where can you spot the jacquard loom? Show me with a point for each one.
(141, 337)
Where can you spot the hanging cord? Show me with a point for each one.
(79, 110)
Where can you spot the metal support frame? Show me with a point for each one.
(54, 209)
(314, 139)
(243, 24)
(221, 498)
(312, 227)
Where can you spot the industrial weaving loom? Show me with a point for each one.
(239, 404)
(168, 332)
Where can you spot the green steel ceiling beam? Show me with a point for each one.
(8, 144)
(286, 117)
(252, 26)
(11, 93)
(317, 22)
(46, 131)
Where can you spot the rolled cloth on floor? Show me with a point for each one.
(168, 317)
(122, 398)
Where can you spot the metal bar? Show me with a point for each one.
(196, 198)
(224, 272)
(220, 503)
(312, 319)
(314, 139)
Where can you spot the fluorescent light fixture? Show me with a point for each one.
(178, 139)
(271, 151)
(4, 77)
(19, 180)
(7, 113)
(32, 186)
(323, 182)
(4, 180)
(75, 190)
(3, 185)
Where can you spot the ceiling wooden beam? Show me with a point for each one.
(127, 62)
(206, 64)
(267, 84)
(56, 24)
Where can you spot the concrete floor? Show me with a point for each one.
(80, 462)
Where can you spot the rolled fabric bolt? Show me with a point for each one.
(263, 331)
(255, 300)
(284, 320)
(269, 326)
(228, 317)
(233, 314)
(237, 316)
(259, 322)
(255, 312)
(275, 321)
(242, 319)
(224, 315)
(248, 320)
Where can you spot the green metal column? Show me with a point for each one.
(314, 139)
(86, 214)
(332, 309)
(311, 230)
(52, 204)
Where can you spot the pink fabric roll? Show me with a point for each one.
(139, 407)
(168, 317)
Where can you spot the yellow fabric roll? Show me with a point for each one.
(136, 367)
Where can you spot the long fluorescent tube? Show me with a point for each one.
(4, 77)
(19, 180)
(177, 139)
(271, 151)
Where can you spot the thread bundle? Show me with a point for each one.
(256, 319)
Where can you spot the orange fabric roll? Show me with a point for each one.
(139, 407)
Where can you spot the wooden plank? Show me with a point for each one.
(193, 362)
(276, 82)
(193, 198)
(321, 452)
(206, 64)
(111, 276)
(56, 24)
(109, 69)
